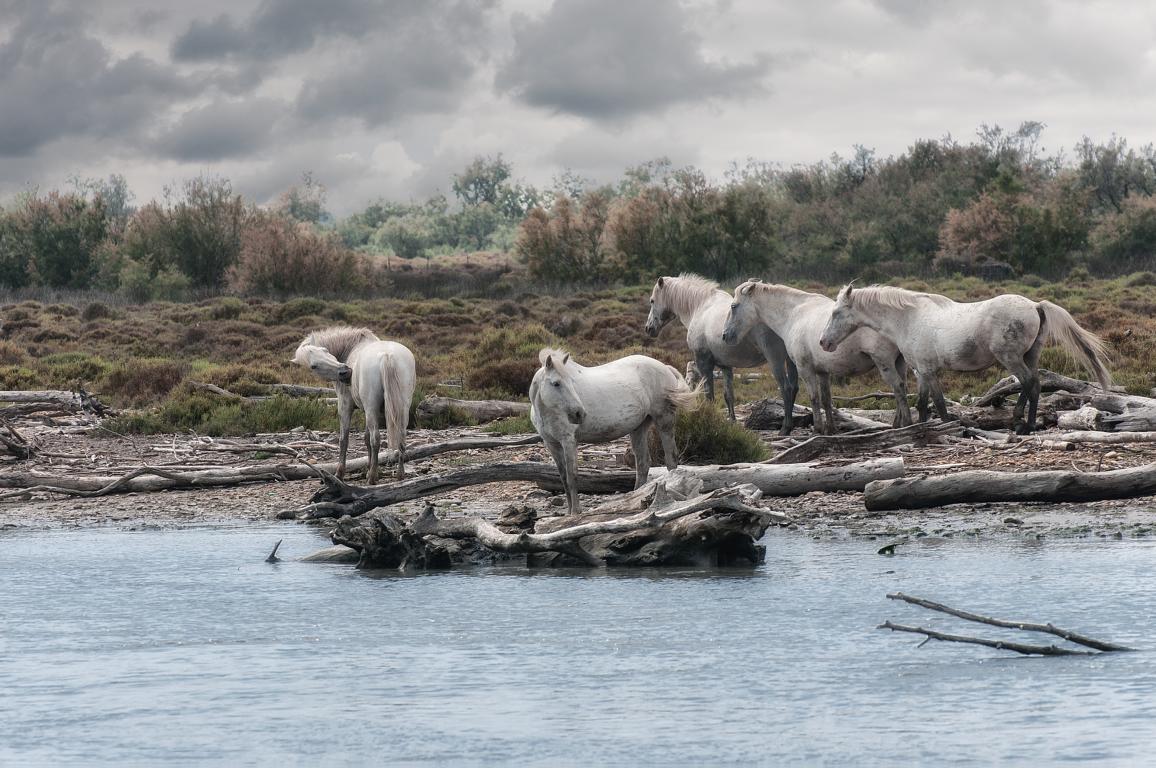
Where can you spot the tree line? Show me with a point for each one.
(996, 206)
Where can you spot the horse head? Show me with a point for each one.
(743, 314)
(660, 312)
(555, 392)
(323, 363)
(845, 319)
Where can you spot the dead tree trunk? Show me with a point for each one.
(792, 479)
(1049, 382)
(1086, 418)
(480, 410)
(672, 523)
(983, 485)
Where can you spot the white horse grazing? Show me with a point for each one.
(934, 332)
(570, 403)
(374, 375)
(702, 307)
(798, 317)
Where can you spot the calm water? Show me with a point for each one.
(183, 647)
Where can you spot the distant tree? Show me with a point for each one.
(304, 202)
(53, 240)
(203, 229)
(482, 180)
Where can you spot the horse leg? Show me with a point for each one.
(372, 443)
(705, 364)
(937, 396)
(640, 444)
(1029, 396)
(345, 415)
(816, 390)
(1032, 361)
(828, 406)
(789, 388)
(921, 404)
(559, 457)
(894, 373)
(664, 423)
(729, 390)
(570, 460)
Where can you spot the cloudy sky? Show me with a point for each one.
(391, 97)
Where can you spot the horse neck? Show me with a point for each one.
(689, 302)
(778, 309)
(892, 322)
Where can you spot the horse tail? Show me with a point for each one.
(396, 404)
(682, 395)
(1081, 344)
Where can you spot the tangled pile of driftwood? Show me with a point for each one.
(696, 514)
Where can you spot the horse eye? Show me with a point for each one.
(313, 366)
(556, 383)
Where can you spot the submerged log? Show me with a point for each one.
(479, 410)
(977, 486)
(669, 521)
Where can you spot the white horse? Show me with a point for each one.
(374, 375)
(935, 332)
(570, 403)
(702, 307)
(798, 317)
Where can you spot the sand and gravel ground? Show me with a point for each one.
(822, 515)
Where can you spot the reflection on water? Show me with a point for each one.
(185, 647)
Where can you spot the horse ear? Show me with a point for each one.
(746, 287)
(566, 358)
(549, 362)
(847, 290)
(660, 281)
(754, 279)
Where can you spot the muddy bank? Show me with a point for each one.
(821, 515)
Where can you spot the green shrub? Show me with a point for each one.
(227, 308)
(64, 369)
(96, 311)
(704, 435)
(143, 381)
(451, 417)
(296, 308)
(212, 415)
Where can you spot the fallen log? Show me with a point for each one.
(1127, 413)
(149, 479)
(299, 390)
(791, 479)
(673, 523)
(978, 486)
(13, 443)
(79, 401)
(479, 410)
(1086, 418)
(1105, 438)
(928, 431)
(767, 414)
(1050, 381)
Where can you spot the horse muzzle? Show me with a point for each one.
(728, 337)
(827, 346)
(345, 375)
(577, 417)
(651, 330)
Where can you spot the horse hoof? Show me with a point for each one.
(1022, 429)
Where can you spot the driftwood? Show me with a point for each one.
(340, 499)
(479, 410)
(13, 443)
(1086, 418)
(977, 486)
(289, 390)
(818, 445)
(1098, 646)
(767, 414)
(31, 401)
(142, 479)
(1126, 413)
(792, 479)
(670, 521)
(1050, 381)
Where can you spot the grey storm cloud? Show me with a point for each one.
(418, 64)
(609, 59)
(223, 129)
(58, 81)
(279, 28)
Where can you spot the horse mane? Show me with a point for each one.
(339, 339)
(894, 298)
(687, 292)
(554, 352)
(779, 289)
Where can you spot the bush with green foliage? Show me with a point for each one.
(704, 435)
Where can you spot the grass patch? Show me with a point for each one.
(514, 425)
(704, 435)
(210, 415)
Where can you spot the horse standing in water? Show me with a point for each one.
(934, 332)
(702, 307)
(798, 318)
(570, 403)
(374, 375)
